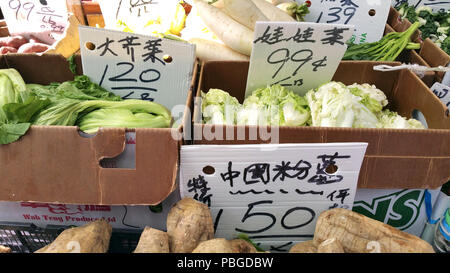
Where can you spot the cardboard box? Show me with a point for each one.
(56, 164)
(395, 158)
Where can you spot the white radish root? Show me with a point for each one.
(272, 12)
(244, 12)
(238, 37)
(207, 50)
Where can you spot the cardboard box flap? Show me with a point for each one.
(156, 170)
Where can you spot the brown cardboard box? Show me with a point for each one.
(54, 164)
(395, 159)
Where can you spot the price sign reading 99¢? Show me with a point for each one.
(368, 16)
(274, 193)
(137, 66)
(36, 16)
(299, 56)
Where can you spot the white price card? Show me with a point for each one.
(435, 5)
(271, 192)
(368, 16)
(45, 16)
(137, 66)
(442, 92)
(297, 55)
(135, 14)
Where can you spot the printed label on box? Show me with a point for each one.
(271, 192)
(402, 209)
(368, 16)
(299, 56)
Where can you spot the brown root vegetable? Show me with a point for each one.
(330, 246)
(304, 247)
(90, 238)
(189, 223)
(242, 246)
(153, 241)
(7, 49)
(33, 48)
(218, 245)
(361, 234)
(4, 249)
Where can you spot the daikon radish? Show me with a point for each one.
(207, 50)
(272, 12)
(233, 34)
(244, 11)
(219, 4)
(276, 2)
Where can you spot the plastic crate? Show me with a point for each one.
(27, 238)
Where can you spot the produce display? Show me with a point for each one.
(337, 231)
(386, 49)
(330, 105)
(90, 238)
(380, 172)
(433, 25)
(74, 103)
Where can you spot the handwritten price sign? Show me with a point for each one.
(442, 92)
(435, 5)
(273, 195)
(299, 56)
(138, 66)
(368, 16)
(35, 16)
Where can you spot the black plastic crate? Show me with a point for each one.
(27, 238)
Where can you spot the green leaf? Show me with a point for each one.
(24, 112)
(72, 64)
(12, 132)
(246, 238)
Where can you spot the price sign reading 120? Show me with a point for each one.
(137, 66)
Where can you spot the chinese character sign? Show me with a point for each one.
(36, 16)
(273, 195)
(368, 16)
(137, 66)
(442, 91)
(299, 56)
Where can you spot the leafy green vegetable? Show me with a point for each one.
(274, 105)
(72, 64)
(218, 107)
(390, 119)
(433, 25)
(386, 49)
(74, 103)
(12, 132)
(299, 11)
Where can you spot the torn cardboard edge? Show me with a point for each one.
(54, 164)
(395, 158)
